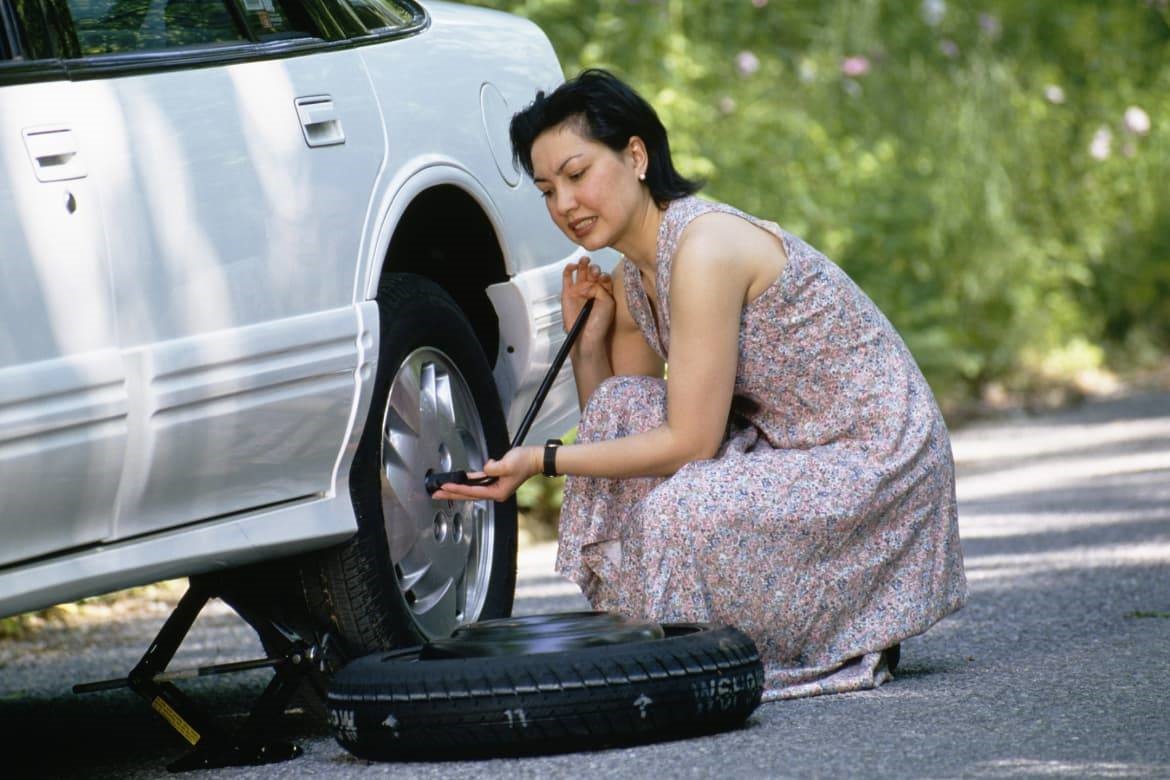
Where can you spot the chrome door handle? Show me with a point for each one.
(53, 152)
(319, 121)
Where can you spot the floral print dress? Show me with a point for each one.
(825, 527)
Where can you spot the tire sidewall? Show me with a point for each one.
(414, 312)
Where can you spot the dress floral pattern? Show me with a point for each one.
(826, 525)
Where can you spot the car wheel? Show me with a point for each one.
(545, 683)
(419, 568)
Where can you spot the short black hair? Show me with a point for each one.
(609, 111)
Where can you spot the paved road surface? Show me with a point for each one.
(1059, 667)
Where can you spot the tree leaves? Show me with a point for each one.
(939, 152)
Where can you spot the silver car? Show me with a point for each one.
(267, 263)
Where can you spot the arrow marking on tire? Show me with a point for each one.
(642, 702)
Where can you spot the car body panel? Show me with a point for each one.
(237, 419)
(240, 372)
(268, 532)
(63, 404)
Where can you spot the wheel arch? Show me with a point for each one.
(442, 225)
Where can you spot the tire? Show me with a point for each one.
(418, 568)
(416, 704)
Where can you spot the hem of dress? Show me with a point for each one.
(859, 674)
(587, 579)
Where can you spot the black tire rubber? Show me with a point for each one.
(698, 679)
(352, 587)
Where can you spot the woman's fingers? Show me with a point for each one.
(583, 271)
(453, 492)
(573, 271)
(567, 274)
(579, 280)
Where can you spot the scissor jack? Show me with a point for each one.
(294, 662)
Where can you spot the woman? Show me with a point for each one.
(791, 475)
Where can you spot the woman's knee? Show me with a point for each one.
(681, 508)
(622, 406)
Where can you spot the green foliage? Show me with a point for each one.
(945, 160)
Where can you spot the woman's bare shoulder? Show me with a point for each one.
(707, 235)
(725, 244)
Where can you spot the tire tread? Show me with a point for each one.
(591, 703)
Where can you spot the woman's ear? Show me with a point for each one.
(637, 155)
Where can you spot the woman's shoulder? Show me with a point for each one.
(680, 213)
(694, 215)
(715, 229)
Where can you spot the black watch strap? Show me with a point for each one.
(550, 457)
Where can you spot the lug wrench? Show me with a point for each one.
(436, 481)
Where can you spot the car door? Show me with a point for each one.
(63, 399)
(240, 151)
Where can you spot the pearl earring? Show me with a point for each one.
(641, 177)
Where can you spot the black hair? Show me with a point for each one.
(609, 111)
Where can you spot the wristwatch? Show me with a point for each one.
(550, 457)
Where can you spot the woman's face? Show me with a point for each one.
(591, 191)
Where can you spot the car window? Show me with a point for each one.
(382, 14)
(271, 19)
(30, 34)
(7, 29)
(116, 26)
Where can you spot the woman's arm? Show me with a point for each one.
(707, 292)
(708, 287)
(602, 351)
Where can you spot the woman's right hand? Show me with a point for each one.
(581, 281)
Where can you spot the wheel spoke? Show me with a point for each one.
(461, 597)
(444, 407)
(399, 441)
(429, 421)
(400, 465)
(410, 578)
(400, 524)
(404, 399)
(439, 609)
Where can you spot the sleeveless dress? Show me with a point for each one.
(825, 527)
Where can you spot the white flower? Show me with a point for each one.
(1102, 144)
(726, 104)
(933, 12)
(1137, 121)
(1054, 94)
(747, 63)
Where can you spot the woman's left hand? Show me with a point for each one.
(512, 470)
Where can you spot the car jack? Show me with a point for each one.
(295, 663)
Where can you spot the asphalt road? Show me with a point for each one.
(1058, 667)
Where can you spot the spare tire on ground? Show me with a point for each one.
(546, 683)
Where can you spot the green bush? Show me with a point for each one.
(971, 166)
